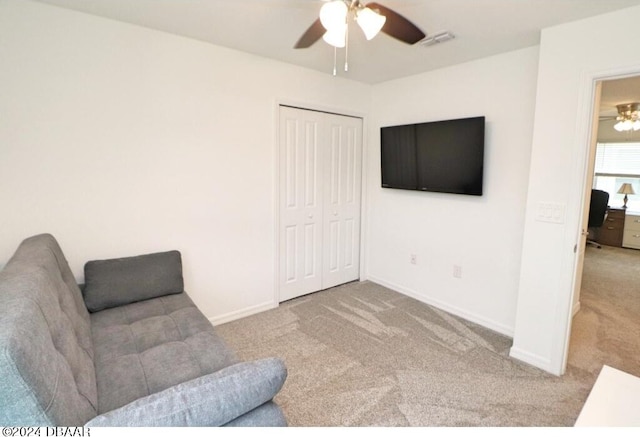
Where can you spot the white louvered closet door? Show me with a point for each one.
(320, 182)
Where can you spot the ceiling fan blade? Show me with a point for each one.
(311, 35)
(397, 26)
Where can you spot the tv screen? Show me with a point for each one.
(441, 156)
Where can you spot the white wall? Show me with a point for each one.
(572, 56)
(121, 140)
(481, 234)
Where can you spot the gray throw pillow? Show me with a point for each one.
(211, 400)
(114, 282)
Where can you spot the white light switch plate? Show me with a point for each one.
(550, 212)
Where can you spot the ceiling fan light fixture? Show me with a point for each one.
(332, 26)
(333, 15)
(628, 117)
(336, 37)
(370, 22)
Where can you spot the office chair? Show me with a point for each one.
(597, 213)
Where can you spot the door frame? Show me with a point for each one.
(276, 182)
(585, 131)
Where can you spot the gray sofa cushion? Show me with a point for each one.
(210, 400)
(47, 375)
(149, 346)
(114, 282)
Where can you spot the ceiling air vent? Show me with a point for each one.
(437, 39)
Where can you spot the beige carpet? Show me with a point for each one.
(606, 330)
(363, 355)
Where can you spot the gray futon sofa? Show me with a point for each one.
(130, 349)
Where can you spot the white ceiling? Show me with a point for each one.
(618, 92)
(270, 28)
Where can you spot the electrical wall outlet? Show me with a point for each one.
(413, 259)
(457, 271)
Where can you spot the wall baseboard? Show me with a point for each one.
(245, 312)
(475, 318)
(532, 359)
(576, 308)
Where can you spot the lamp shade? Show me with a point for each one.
(336, 37)
(627, 125)
(333, 15)
(620, 126)
(370, 22)
(626, 189)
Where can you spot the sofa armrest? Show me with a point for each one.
(211, 400)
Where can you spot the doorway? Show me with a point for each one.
(319, 187)
(606, 313)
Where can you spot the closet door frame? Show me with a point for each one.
(277, 187)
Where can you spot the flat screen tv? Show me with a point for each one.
(441, 156)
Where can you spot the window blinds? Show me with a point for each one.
(618, 159)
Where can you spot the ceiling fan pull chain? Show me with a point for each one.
(335, 57)
(346, 48)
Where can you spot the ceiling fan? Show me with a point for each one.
(628, 117)
(332, 25)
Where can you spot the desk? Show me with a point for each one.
(613, 400)
(631, 236)
(612, 231)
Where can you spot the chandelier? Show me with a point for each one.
(628, 117)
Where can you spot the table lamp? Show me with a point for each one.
(626, 189)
